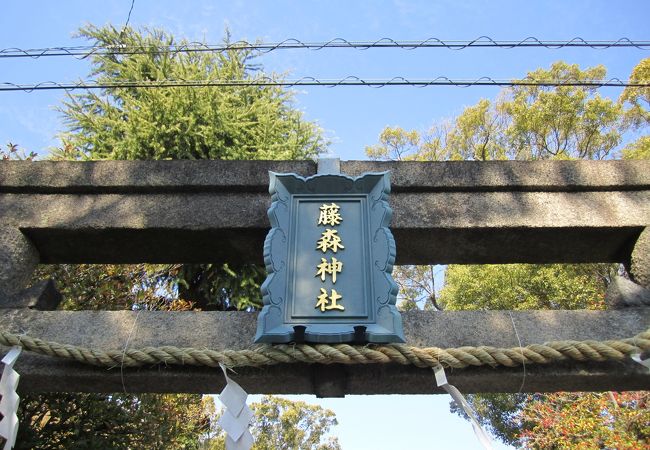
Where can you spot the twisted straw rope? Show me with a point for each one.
(263, 355)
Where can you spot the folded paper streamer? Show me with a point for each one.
(236, 416)
(441, 380)
(10, 399)
(638, 358)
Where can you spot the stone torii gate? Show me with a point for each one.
(215, 211)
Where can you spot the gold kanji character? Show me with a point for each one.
(329, 215)
(324, 301)
(329, 268)
(329, 240)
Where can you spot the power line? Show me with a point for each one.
(81, 52)
(128, 18)
(310, 81)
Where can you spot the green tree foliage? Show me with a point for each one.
(244, 122)
(253, 122)
(638, 98)
(639, 149)
(417, 287)
(116, 287)
(120, 421)
(117, 421)
(521, 286)
(528, 123)
(587, 421)
(525, 286)
(637, 114)
(14, 152)
(500, 413)
(565, 122)
(525, 122)
(281, 424)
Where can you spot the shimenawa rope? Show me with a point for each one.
(263, 355)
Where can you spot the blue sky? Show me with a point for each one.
(352, 117)
(397, 422)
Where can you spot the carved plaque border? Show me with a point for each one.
(383, 323)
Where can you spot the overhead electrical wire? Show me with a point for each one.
(128, 18)
(81, 52)
(310, 81)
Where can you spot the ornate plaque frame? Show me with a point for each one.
(288, 313)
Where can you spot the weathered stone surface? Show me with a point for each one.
(509, 175)
(213, 211)
(41, 374)
(640, 260)
(42, 296)
(210, 175)
(623, 293)
(428, 227)
(328, 166)
(18, 259)
(235, 330)
(143, 176)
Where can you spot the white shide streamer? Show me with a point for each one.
(10, 399)
(236, 415)
(638, 358)
(441, 380)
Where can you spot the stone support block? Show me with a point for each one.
(42, 296)
(640, 261)
(623, 293)
(18, 259)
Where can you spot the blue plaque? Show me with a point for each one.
(329, 257)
